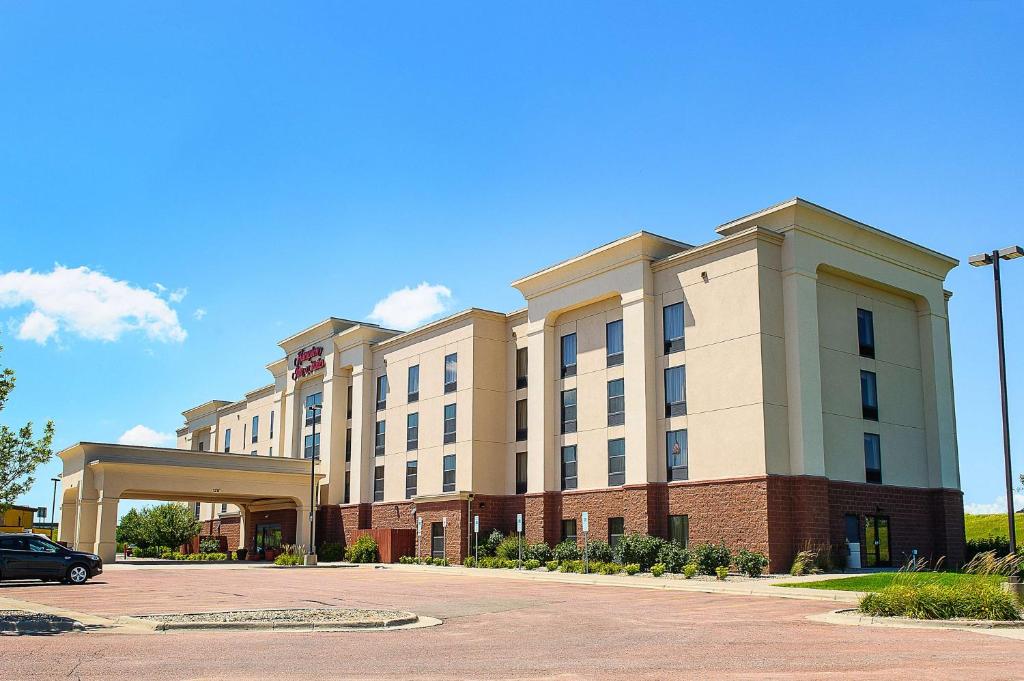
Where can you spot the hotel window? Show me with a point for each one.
(616, 402)
(569, 355)
(378, 483)
(348, 402)
(616, 528)
(674, 333)
(520, 472)
(675, 391)
(227, 440)
(869, 395)
(568, 411)
(448, 473)
(348, 486)
(378, 438)
(616, 462)
(382, 392)
(569, 529)
(521, 420)
(451, 372)
(255, 428)
(410, 479)
(522, 366)
(348, 444)
(866, 333)
(311, 401)
(679, 529)
(196, 510)
(271, 434)
(872, 458)
(613, 342)
(311, 448)
(412, 431)
(223, 508)
(569, 467)
(413, 390)
(245, 433)
(675, 448)
(449, 423)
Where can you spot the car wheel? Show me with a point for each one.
(77, 574)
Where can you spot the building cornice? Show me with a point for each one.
(753, 233)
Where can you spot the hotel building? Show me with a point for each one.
(785, 384)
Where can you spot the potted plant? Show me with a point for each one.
(270, 554)
(240, 553)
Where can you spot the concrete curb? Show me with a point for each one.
(406, 620)
(41, 627)
(855, 618)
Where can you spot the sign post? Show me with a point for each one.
(476, 541)
(519, 537)
(419, 532)
(586, 532)
(444, 538)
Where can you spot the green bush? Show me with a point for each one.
(690, 570)
(751, 563)
(631, 568)
(149, 551)
(571, 566)
(805, 563)
(330, 552)
(600, 552)
(439, 562)
(567, 550)
(363, 550)
(532, 564)
(608, 568)
(638, 548)
(490, 544)
(967, 600)
(209, 545)
(172, 555)
(468, 562)
(674, 557)
(551, 565)
(721, 572)
(658, 569)
(540, 552)
(508, 549)
(288, 559)
(708, 557)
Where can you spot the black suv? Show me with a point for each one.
(29, 556)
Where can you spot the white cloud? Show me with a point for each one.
(86, 303)
(407, 308)
(199, 314)
(177, 295)
(997, 506)
(142, 436)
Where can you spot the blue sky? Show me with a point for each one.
(257, 160)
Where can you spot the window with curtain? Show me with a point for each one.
(382, 392)
(675, 391)
(449, 423)
(616, 402)
(378, 438)
(451, 372)
(521, 420)
(569, 355)
(569, 467)
(678, 457)
(872, 458)
(568, 411)
(613, 342)
(448, 479)
(410, 479)
(522, 366)
(866, 333)
(869, 395)
(673, 318)
(414, 383)
(412, 431)
(378, 483)
(616, 462)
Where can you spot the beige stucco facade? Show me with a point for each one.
(769, 350)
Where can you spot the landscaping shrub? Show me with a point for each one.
(149, 551)
(690, 570)
(172, 555)
(551, 565)
(609, 568)
(708, 557)
(439, 562)
(540, 552)
(600, 552)
(751, 563)
(330, 552)
(639, 548)
(999, 545)
(532, 564)
(490, 544)
(363, 550)
(209, 545)
(468, 562)
(567, 550)
(967, 600)
(571, 566)
(658, 569)
(287, 559)
(674, 557)
(631, 568)
(508, 549)
(805, 563)
(721, 572)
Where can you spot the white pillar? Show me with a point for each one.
(803, 373)
(106, 529)
(542, 459)
(302, 525)
(643, 463)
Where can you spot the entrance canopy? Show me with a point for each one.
(97, 475)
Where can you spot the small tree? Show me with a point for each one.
(131, 528)
(20, 452)
(168, 525)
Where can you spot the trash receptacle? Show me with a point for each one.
(853, 560)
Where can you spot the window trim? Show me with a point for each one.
(453, 385)
(382, 392)
(446, 484)
(676, 343)
(614, 359)
(569, 425)
(378, 495)
(522, 367)
(521, 485)
(568, 369)
(618, 477)
(412, 431)
(450, 435)
(413, 466)
(522, 425)
(683, 470)
(575, 463)
(380, 434)
(412, 395)
(677, 408)
(616, 418)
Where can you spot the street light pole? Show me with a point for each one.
(310, 553)
(993, 259)
(53, 507)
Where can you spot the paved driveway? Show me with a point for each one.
(493, 628)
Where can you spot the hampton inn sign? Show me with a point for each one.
(315, 357)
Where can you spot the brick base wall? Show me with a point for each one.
(286, 518)
(225, 528)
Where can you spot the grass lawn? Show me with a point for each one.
(879, 580)
(991, 525)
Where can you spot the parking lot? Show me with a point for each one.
(493, 627)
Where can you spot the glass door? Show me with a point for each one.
(437, 540)
(876, 538)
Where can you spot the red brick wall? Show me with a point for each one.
(286, 518)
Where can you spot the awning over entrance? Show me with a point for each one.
(98, 475)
